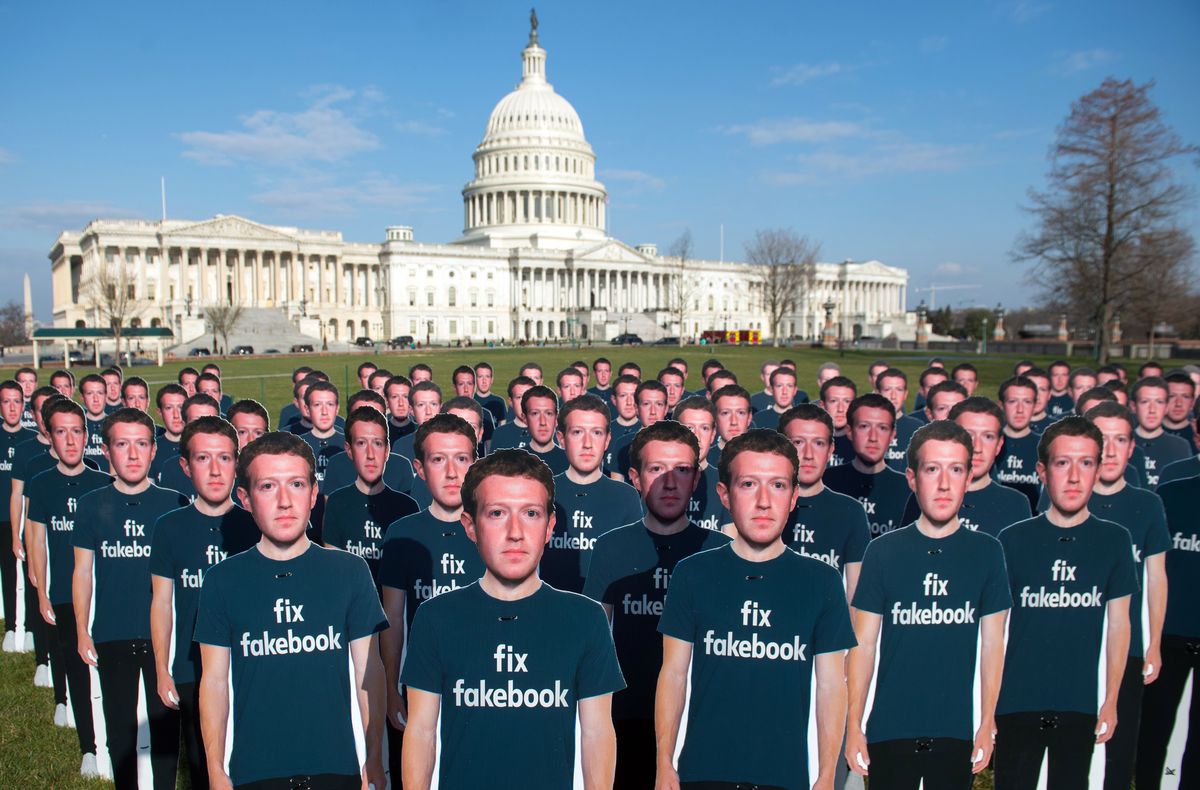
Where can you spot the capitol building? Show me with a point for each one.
(534, 262)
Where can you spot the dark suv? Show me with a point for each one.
(627, 340)
(364, 342)
(300, 348)
(243, 350)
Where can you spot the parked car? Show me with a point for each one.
(364, 342)
(271, 351)
(302, 348)
(243, 350)
(401, 341)
(667, 341)
(198, 351)
(627, 340)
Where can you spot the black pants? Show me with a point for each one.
(119, 663)
(43, 632)
(78, 676)
(728, 786)
(943, 764)
(1120, 749)
(636, 750)
(1023, 738)
(193, 740)
(1180, 658)
(318, 782)
(395, 741)
(8, 578)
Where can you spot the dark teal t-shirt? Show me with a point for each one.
(896, 454)
(164, 448)
(1060, 405)
(9, 441)
(172, 476)
(989, 509)
(883, 494)
(397, 473)
(510, 436)
(843, 451)
(494, 404)
(118, 530)
(704, 506)
(932, 595)
(425, 557)
(555, 458)
(1016, 466)
(288, 415)
(510, 675)
(94, 449)
(767, 419)
(1179, 500)
(583, 512)
(186, 544)
(1141, 513)
(356, 523)
(324, 449)
(1180, 470)
(24, 454)
(288, 626)
(1159, 453)
(54, 501)
(754, 628)
(631, 571)
(1061, 581)
(830, 527)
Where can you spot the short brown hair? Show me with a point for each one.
(206, 425)
(365, 414)
(757, 440)
(440, 423)
(125, 416)
(661, 431)
(274, 443)
(1069, 426)
(585, 402)
(806, 412)
(937, 431)
(506, 463)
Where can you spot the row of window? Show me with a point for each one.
(451, 297)
(494, 165)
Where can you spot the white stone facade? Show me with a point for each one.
(534, 262)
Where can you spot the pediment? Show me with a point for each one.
(231, 227)
(611, 251)
(873, 267)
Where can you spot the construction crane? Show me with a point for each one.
(933, 291)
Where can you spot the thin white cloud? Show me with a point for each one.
(1073, 63)
(794, 130)
(803, 72)
(317, 197)
(1022, 11)
(1016, 134)
(634, 177)
(934, 43)
(324, 132)
(952, 268)
(420, 128)
(7, 157)
(879, 160)
(57, 216)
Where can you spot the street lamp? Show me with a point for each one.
(188, 304)
(304, 306)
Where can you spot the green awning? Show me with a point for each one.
(96, 333)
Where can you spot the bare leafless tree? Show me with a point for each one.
(684, 282)
(12, 325)
(221, 320)
(782, 271)
(109, 290)
(1108, 238)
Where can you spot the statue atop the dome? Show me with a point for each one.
(533, 26)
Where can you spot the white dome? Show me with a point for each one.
(533, 108)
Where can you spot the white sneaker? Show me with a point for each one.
(60, 715)
(28, 643)
(10, 641)
(88, 768)
(41, 676)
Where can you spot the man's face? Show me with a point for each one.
(666, 478)
(541, 414)
(718, 382)
(514, 401)
(783, 391)
(364, 376)
(1118, 448)
(67, 438)
(700, 422)
(1105, 376)
(376, 384)
(733, 417)
(28, 382)
(129, 451)
(322, 409)
(1180, 397)
(761, 494)
(968, 380)
(470, 418)
(1060, 376)
(674, 385)
(534, 374)
(211, 464)
(198, 410)
(829, 373)
(188, 382)
(249, 427)
(585, 440)
(211, 388)
(871, 432)
(511, 526)
(682, 368)
(280, 497)
(986, 441)
(1151, 370)
(483, 380)
(1018, 405)
(603, 373)
(940, 479)
(112, 387)
(583, 374)
(447, 457)
(623, 397)
(765, 374)
(1080, 385)
(35, 406)
(12, 403)
(419, 375)
(1021, 369)
(1043, 394)
(895, 389)
(932, 380)
(837, 403)
(368, 449)
(63, 385)
(1071, 472)
(397, 401)
(425, 404)
(651, 407)
(464, 385)
(813, 445)
(872, 374)
(93, 397)
(1150, 406)
(938, 407)
(570, 388)
(136, 397)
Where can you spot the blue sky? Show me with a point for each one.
(903, 132)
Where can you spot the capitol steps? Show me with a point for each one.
(262, 328)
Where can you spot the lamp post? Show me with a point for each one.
(829, 334)
(304, 306)
(188, 304)
(983, 337)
